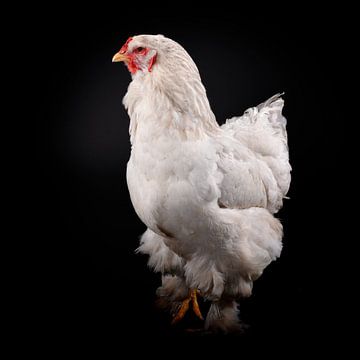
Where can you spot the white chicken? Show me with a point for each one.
(207, 193)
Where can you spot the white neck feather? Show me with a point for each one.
(171, 100)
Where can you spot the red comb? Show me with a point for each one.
(125, 46)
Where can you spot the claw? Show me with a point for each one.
(185, 307)
(195, 304)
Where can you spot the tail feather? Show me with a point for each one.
(263, 130)
(271, 100)
(273, 108)
(267, 113)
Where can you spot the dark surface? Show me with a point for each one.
(94, 285)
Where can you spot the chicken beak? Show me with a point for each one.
(120, 57)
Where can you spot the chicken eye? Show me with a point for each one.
(139, 49)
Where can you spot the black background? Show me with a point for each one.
(92, 284)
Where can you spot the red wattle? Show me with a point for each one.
(152, 62)
(132, 65)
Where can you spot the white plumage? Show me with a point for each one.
(206, 193)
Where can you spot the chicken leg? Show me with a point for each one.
(192, 298)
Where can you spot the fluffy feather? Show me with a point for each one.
(206, 193)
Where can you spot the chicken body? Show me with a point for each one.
(206, 193)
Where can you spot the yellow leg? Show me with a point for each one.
(195, 304)
(185, 307)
